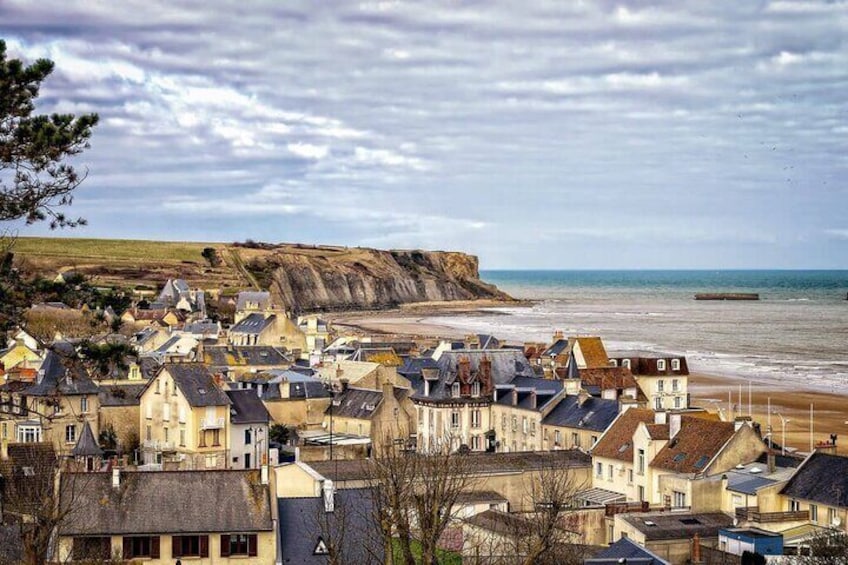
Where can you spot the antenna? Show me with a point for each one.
(811, 427)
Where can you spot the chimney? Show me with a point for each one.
(533, 399)
(116, 477)
(739, 422)
(484, 374)
(558, 335)
(344, 383)
(464, 370)
(582, 397)
(696, 548)
(771, 460)
(329, 496)
(263, 473)
(514, 397)
(673, 425)
(427, 388)
(660, 417)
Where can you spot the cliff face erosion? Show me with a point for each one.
(327, 278)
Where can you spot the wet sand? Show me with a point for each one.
(707, 391)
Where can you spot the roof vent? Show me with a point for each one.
(755, 470)
(649, 523)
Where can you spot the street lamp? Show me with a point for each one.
(783, 422)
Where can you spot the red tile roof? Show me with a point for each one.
(617, 442)
(695, 445)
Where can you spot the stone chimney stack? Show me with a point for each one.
(484, 375)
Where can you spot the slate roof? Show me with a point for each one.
(617, 442)
(546, 391)
(167, 502)
(52, 376)
(303, 520)
(675, 525)
(506, 365)
(262, 298)
(484, 463)
(203, 327)
(822, 478)
(360, 403)
(247, 408)
(86, 445)
(694, 446)
(626, 549)
(244, 355)
(253, 324)
(556, 348)
(197, 384)
(499, 522)
(120, 394)
(593, 414)
(29, 468)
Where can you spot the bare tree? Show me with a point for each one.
(415, 498)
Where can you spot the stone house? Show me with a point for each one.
(120, 407)
(577, 421)
(184, 419)
(201, 517)
(249, 423)
(518, 409)
(662, 377)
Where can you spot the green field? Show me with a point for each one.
(111, 249)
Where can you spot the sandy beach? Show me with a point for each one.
(707, 391)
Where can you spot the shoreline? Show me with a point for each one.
(707, 390)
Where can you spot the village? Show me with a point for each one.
(264, 440)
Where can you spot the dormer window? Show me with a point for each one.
(455, 390)
(613, 362)
(661, 365)
(475, 389)
(675, 364)
(625, 363)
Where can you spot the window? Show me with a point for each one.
(503, 422)
(166, 412)
(814, 513)
(613, 362)
(661, 385)
(247, 437)
(141, 546)
(475, 418)
(599, 470)
(238, 544)
(524, 427)
(625, 363)
(5, 428)
(148, 411)
(157, 386)
(677, 402)
(609, 471)
(794, 506)
(84, 404)
(640, 462)
(831, 516)
(189, 546)
(575, 439)
(630, 476)
(658, 403)
(679, 499)
(216, 438)
(167, 389)
(181, 414)
(182, 438)
(211, 461)
(594, 440)
(675, 364)
(514, 423)
(557, 438)
(165, 430)
(29, 434)
(641, 493)
(475, 389)
(455, 419)
(202, 442)
(532, 427)
(148, 433)
(70, 433)
(247, 460)
(675, 385)
(660, 364)
(455, 390)
(475, 443)
(736, 501)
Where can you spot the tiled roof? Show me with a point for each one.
(263, 299)
(608, 378)
(822, 478)
(247, 408)
(120, 394)
(658, 431)
(197, 384)
(247, 355)
(617, 442)
(594, 353)
(627, 550)
(163, 502)
(674, 525)
(593, 414)
(253, 324)
(356, 403)
(694, 446)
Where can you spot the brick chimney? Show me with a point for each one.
(484, 375)
(696, 548)
(463, 370)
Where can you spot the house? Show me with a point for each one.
(119, 413)
(249, 421)
(588, 351)
(149, 338)
(518, 409)
(203, 330)
(157, 317)
(316, 330)
(23, 338)
(577, 421)
(663, 377)
(200, 517)
(178, 295)
(19, 354)
(185, 419)
(670, 535)
(737, 541)
(625, 550)
(385, 416)
(56, 405)
(820, 486)
(293, 398)
(248, 302)
(177, 348)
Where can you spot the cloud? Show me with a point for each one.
(837, 233)
(482, 126)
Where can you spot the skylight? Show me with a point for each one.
(701, 462)
(679, 457)
(624, 447)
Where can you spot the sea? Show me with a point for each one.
(795, 336)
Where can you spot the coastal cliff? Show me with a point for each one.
(330, 278)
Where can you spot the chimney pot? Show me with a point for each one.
(116, 477)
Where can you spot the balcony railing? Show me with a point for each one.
(751, 514)
(158, 445)
(211, 423)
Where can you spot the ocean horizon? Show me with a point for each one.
(795, 335)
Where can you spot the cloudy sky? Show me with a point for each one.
(536, 134)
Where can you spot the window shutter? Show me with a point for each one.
(176, 546)
(127, 548)
(204, 546)
(251, 545)
(225, 545)
(154, 547)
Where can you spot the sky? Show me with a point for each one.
(534, 134)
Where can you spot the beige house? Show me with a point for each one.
(292, 398)
(184, 419)
(518, 409)
(201, 517)
(662, 377)
(119, 412)
(19, 355)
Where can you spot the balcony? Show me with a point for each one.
(212, 423)
(751, 514)
(158, 445)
